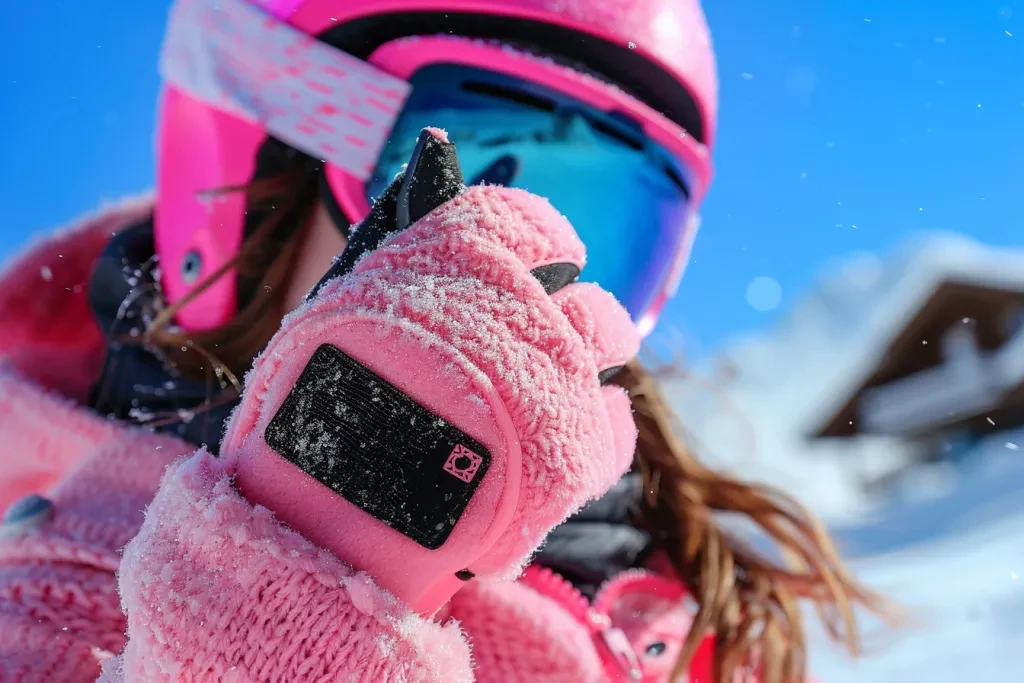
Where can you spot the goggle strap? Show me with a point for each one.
(320, 100)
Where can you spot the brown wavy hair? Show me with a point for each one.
(749, 602)
(284, 203)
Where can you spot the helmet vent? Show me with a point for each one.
(191, 267)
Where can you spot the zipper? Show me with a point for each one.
(608, 638)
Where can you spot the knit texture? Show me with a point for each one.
(216, 590)
(44, 436)
(519, 635)
(59, 609)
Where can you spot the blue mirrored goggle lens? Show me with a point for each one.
(622, 193)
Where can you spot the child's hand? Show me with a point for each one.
(433, 412)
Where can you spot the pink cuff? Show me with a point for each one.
(44, 436)
(216, 590)
(517, 634)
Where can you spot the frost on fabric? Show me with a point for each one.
(353, 431)
(439, 133)
(211, 583)
(461, 275)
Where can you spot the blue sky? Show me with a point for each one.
(845, 126)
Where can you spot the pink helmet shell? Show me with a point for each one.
(671, 35)
(656, 54)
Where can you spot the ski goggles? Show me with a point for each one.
(627, 179)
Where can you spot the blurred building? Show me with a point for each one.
(893, 379)
(890, 399)
(950, 373)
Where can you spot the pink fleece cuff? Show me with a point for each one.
(60, 613)
(517, 634)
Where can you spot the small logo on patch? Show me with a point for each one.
(463, 463)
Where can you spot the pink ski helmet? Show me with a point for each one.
(329, 77)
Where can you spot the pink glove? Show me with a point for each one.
(427, 417)
(431, 415)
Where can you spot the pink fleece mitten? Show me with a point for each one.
(429, 414)
(433, 413)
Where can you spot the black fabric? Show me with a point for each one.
(373, 445)
(135, 384)
(438, 177)
(555, 276)
(124, 275)
(608, 374)
(433, 177)
(600, 540)
(611, 62)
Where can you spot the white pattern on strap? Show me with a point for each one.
(322, 101)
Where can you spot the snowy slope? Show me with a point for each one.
(951, 544)
(956, 559)
(967, 593)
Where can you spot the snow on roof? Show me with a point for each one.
(788, 379)
(921, 266)
(965, 590)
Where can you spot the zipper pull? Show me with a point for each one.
(622, 652)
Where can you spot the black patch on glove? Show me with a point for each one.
(366, 440)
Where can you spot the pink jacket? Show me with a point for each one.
(211, 587)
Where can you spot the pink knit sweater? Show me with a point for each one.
(214, 588)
